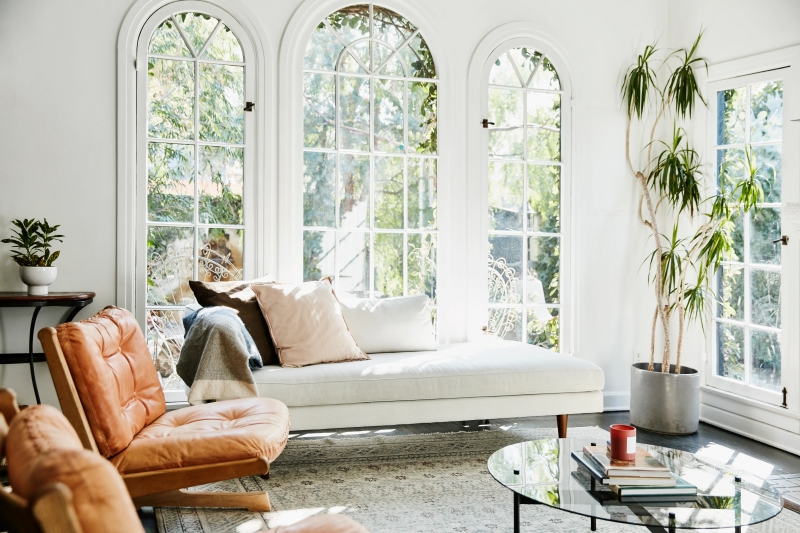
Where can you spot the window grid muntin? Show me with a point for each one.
(373, 74)
(746, 265)
(525, 308)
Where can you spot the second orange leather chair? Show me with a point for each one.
(109, 390)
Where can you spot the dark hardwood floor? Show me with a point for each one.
(770, 460)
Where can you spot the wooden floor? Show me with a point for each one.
(781, 462)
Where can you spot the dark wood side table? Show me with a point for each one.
(75, 300)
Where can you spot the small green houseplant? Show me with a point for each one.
(31, 250)
(684, 261)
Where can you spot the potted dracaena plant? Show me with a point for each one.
(665, 397)
(30, 246)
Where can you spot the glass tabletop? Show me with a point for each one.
(550, 476)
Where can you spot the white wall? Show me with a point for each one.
(58, 142)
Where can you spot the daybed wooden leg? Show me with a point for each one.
(252, 501)
(562, 426)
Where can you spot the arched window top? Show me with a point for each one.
(196, 35)
(524, 67)
(369, 39)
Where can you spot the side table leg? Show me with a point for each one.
(73, 313)
(516, 513)
(593, 523)
(30, 353)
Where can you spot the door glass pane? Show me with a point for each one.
(543, 270)
(765, 227)
(422, 125)
(768, 161)
(544, 198)
(765, 288)
(730, 341)
(170, 99)
(505, 196)
(319, 110)
(220, 253)
(170, 265)
(766, 111)
(170, 182)
(221, 103)
(544, 135)
(224, 46)
(730, 291)
(731, 116)
(221, 185)
(319, 189)
(765, 368)
(505, 271)
(506, 323)
(543, 326)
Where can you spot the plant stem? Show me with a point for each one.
(681, 313)
(651, 366)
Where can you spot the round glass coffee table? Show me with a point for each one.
(543, 472)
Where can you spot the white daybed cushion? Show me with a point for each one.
(467, 370)
(390, 324)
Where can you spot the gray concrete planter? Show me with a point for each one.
(665, 403)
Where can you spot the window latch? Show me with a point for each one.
(249, 106)
(784, 405)
(784, 240)
(485, 123)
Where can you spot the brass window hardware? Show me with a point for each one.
(485, 123)
(249, 106)
(784, 405)
(784, 240)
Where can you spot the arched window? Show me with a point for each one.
(193, 168)
(525, 272)
(370, 155)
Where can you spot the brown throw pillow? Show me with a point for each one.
(306, 323)
(239, 296)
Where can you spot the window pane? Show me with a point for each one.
(164, 339)
(319, 192)
(765, 367)
(389, 192)
(221, 103)
(768, 160)
(319, 110)
(731, 111)
(505, 196)
(318, 254)
(418, 59)
(730, 292)
(356, 59)
(354, 191)
(351, 24)
(170, 182)
(544, 138)
(737, 238)
(167, 41)
(197, 27)
(730, 168)
(730, 347)
(766, 111)
(220, 255)
(170, 265)
(422, 117)
(505, 110)
(543, 327)
(505, 269)
(354, 113)
(506, 143)
(389, 112)
(170, 99)
(544, 263)
(765, 228)
(546, 77)
(323, 49)
(221, 185)
(765, 289)
(503, 73)
(354, 252)
(390, 27)
(421, 193)
(388, 265)
(506, 323)
(383, 56)
(526, 60)
(224, 46)
(544, 198)
(422, 264)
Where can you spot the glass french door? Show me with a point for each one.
(747, 323)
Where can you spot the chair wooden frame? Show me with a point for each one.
(161, 488)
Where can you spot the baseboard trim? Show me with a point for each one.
(753, 429)
(616, 401)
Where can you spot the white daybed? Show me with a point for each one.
(470, 381)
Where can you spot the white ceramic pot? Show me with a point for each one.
(37, 279)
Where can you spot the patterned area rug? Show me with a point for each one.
(409, 484)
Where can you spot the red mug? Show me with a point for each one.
(623, 442)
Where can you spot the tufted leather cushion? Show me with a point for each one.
(115, 376)
(322, 524)
(229, 430)
(33, 432)
(43, 449)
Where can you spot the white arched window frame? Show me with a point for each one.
(494, 45)
(137, 28)
(290, 186)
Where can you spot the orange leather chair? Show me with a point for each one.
(109, 390)
(59, 487)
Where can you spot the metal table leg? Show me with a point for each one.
(516, 513)
(30, 353)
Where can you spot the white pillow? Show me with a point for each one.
(391, 324)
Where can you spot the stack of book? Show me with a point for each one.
(643, 479)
